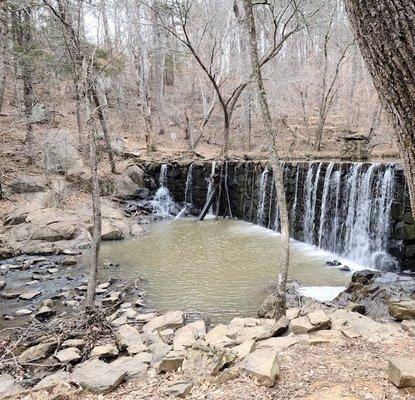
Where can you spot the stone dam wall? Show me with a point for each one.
(360, 211)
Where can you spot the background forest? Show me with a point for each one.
(175, 74)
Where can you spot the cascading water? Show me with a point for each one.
(353, 219)
(188, 193)
(163, 204)
(262, 194)
(210, 186)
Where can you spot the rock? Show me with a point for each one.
(172, 319)
(29, 295)
(105, 285)
(345, 268)
(104, 351)
(179, 389)
(279, 327)
(130, 313)
(53, 380)
(205, 361)
(167, 336)
(132, 366)
(143, 357)
(68, 261)
(22, 312)
(37, 352)
(320, 320)
(28, 184)
(8, 385)
(402, 309)
(10, 295)
(243, 349)
(144, 318)
(136, 174)
(78, 343)
(120, 321)
(278, 343)
(189, 334)
(217, 337)
(61, 152)
(68, 355)
(172, 362)
(292, 313)
(408, 326)
(2, 284)
(117, 145)
(41, 114)
(110, 231)
(125, 188)
(401, 372)
(97, 376)
(44, 313)
(47, 303)
(355, 307)
(301, 325)
(263, 364)
(127, 336)
(364, 276)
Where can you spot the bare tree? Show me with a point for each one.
(280, 292)
(3, 51)
(329, 89)
(284, 25)
(385, 30)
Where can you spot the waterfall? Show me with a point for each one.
(353, 219)
(163, 204)
(210, 186)
(262, 194)
(188, 193)
(311, 191)
(294, 206)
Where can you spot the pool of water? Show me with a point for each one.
(220, 269)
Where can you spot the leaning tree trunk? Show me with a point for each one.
(385, 31)
(3, 53)
(96, 207)
(280, 293)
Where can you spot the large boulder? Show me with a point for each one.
(97, 376)
(8, 385)
(401, 372)
(28, 184)
(110, 230)
(127, 336)
(263, 365)
(125, 188)
(402, 309)
(189, 334)
(136, 174)
(61, 152)
(132, 366)
(172, 319)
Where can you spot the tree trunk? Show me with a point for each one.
(3, 53)
(103, 123)
(385, 31)
(96, 208)
(280, 293)
(24, 39)
(225, 134)
(78, 110)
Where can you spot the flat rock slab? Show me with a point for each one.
(179, 389)
(97, 376)
(37, 352)
(188, 334)
(133, 367)
(319, 319)
(29, 295)
(301, 325)
(52, 380)
(278, 343)
(172, 320)
(104, 351)
(68, 355)
(263, 364)
(401, 372)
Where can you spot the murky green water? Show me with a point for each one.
(219, 268)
